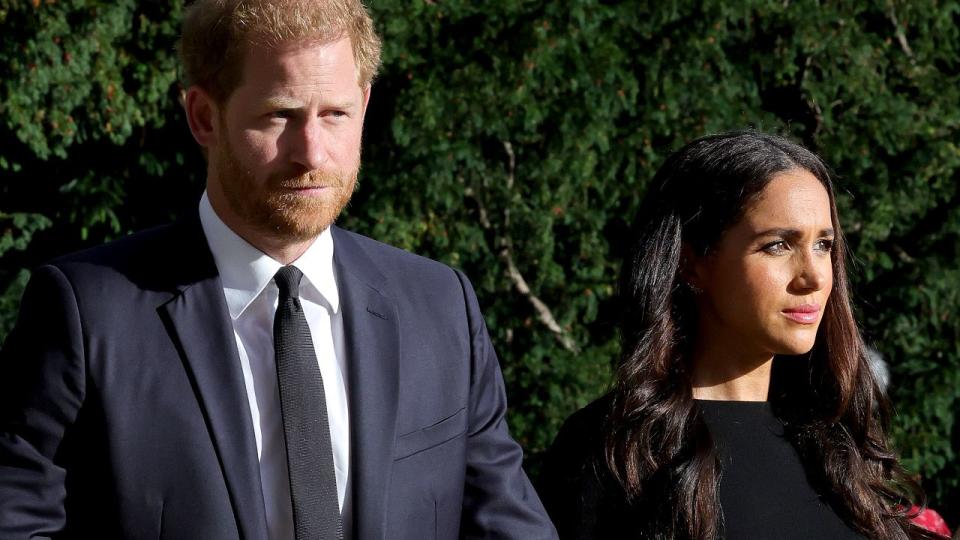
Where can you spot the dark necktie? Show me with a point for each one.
(303, 405)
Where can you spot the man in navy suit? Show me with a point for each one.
(147, 391)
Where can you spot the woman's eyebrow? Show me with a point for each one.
(791, 234)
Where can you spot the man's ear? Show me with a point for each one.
(366, 100)
(201, 112)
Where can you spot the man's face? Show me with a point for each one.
(287, 152)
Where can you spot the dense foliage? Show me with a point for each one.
(514, 139)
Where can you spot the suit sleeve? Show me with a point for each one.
(499, 501)
(41, 390)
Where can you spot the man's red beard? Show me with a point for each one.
(274, 208)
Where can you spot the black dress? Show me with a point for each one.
(764, 491)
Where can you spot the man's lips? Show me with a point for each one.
(803, 314)
(306, 186)
(306, 190)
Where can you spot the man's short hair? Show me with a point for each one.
(216, 34)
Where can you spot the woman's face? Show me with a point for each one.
(766, 283)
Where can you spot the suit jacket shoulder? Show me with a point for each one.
(100, 402)
(401, 268)
(455, 465)
(163, 258)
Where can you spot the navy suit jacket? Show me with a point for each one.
(123, 412)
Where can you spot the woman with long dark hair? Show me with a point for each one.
(743, 405)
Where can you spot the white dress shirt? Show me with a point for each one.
(251, 294)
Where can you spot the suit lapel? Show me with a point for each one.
(372, 341)
(199, 323)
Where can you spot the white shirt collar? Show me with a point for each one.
(246, 271)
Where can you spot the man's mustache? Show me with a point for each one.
(312, 179)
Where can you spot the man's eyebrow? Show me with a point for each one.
(283, 102)
(791, 233)
(338, 105)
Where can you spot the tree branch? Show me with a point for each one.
(898, 32)
(543, 312)
(504, 247)
(811, 102)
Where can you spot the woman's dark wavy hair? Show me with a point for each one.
(656, 443)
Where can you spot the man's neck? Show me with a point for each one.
(279, 248)
(284, 252)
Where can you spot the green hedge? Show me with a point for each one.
(514, 139)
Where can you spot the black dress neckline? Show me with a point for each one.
(765, 488)
(734, 403)
(764, 491)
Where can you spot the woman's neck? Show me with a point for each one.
(721, 371)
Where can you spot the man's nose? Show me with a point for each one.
(308, 146)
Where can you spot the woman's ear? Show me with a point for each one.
(692, 268)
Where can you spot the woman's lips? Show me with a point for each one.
(803, 314)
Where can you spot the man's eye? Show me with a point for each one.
(334, 113)
(775, 248)
(282, 114)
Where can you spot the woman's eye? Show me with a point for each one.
(775, 248)
(824, 244)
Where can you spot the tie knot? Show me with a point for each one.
(288, 281)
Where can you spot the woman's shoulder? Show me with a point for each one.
(575, 485)
(588, 421)
(580, 439)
